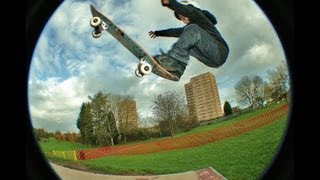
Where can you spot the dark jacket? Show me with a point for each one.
(202, 18)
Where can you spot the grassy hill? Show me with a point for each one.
(241, 157)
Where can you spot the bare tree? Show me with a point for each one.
(128, 116)
(123, 113)
(244, 91)
(259, 86)
(111, 126)
(267, 89)
(145, 122)
(279, 82)
(252, 90)
(167, 108)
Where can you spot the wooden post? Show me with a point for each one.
(74, 155)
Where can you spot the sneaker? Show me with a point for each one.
(171, 64)
(168, 62)
(176, 73)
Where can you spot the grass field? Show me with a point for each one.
(231, 121)
(241, 157)
(53, 144)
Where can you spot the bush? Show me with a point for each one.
(227, 109)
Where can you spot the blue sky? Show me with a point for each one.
(69, 64)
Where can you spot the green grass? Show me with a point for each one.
(231, 121)
(241, 157)
(53, 144)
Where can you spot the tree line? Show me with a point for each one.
(105, 119)
(41, 134)
(256, 92)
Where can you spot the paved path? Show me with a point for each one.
(71, 174)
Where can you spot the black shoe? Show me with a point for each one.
(168, 62)
(171, 64)
(176, 73)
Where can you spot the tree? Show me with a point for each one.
(167, 107)
(244, 90)
(227, 108)
(279, 82)
(42, 133)
(58, 135)
(146, 122)
(124, 114)
(84, 124)
(251, 90)
(71, 137)
(111, 127)
(104, 126)
(184, 121)
(259, 92)
(127, 114)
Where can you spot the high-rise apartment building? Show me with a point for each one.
(128, 114)
(203, 97)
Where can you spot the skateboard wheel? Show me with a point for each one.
(95, 21)
(96, 34)
(145, 68)
(138, 74)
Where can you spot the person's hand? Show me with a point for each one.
(165, 2)
(152, 34)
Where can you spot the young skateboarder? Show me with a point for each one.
(198, 38)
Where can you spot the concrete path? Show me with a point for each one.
(71, 174)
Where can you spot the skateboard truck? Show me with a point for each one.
(143, 68)
(98, 26)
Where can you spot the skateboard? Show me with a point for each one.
(147, 63)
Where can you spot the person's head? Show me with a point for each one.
(185, 19)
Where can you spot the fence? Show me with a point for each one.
(72, 154)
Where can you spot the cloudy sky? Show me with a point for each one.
(69, 64)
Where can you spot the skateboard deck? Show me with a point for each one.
(147, 63)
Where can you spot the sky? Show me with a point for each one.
(68, 64)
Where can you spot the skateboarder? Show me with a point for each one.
(198, 38)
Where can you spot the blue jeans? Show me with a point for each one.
(198, 43)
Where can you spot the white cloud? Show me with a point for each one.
(55, 101)
(69, 64)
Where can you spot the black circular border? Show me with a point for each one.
(279, 12)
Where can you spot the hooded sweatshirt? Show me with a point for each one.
(202, 18)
